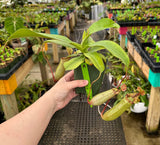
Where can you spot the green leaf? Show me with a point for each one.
(113, 48)
(24, 32)
(96, 59)
(34, 58)
(77, 45)
(101, 25)
(144, 100)
(84, 35)
(12, 24)
(95, 49)
(73, 55)
(87, 42)
(60, 42)
(74, 63)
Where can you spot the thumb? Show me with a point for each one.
(77, 83)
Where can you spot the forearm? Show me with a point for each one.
(28, 126)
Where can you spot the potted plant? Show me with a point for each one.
(129, 83)
(87, 51)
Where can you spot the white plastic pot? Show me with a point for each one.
(139, 107)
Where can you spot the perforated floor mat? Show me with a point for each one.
(78, 124)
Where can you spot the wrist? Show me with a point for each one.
(49, 95)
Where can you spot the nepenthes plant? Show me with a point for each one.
(88, 52)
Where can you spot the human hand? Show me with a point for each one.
(63, 91)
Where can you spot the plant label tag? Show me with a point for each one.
(155, 37)
(158, 44)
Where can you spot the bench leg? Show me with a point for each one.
(153, 115)
(9, 104)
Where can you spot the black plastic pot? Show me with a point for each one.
(93, 74)
(130, 36)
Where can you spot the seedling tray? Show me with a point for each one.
(155, 67)
(140, 45)
(11, 70)
(130, 36)
(131, 23)
(154, 23)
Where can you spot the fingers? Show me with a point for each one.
(77, 83)
(69, 76)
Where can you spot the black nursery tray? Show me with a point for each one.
(132, 23)
(130, 36)
(140, 45)
(155, 67)
(10, 71)
(154, 23)
(14, 66)
(50, 25)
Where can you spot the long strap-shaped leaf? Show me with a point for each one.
(24, 32)
(96, 59)
(101, 25)
(114, 48)
(74, 62)
(62, 40)
(98, 26)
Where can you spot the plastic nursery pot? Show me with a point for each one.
(93, 75)
(139, 107)
(130, 36)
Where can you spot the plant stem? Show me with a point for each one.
(104, 108)
(91, 86)
(49, 66)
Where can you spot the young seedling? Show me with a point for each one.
(147, 48)
(155, 55)
(157, 48)
(148, 27)
(2, 58)
(152, 51)
(146, 40)
(157, 59)
(144, 33)
(150, 30)
(154, 41)
(132, 30)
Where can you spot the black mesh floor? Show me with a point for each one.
(78, 124)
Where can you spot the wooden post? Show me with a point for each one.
(71, 22)
(44, 73)
(62, 32)
(76, 17)
(122, 41)
(153, 115)
(55, 53)
(67, 28)
(73, 19)
(9, 105)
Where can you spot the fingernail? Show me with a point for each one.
(85, 82)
